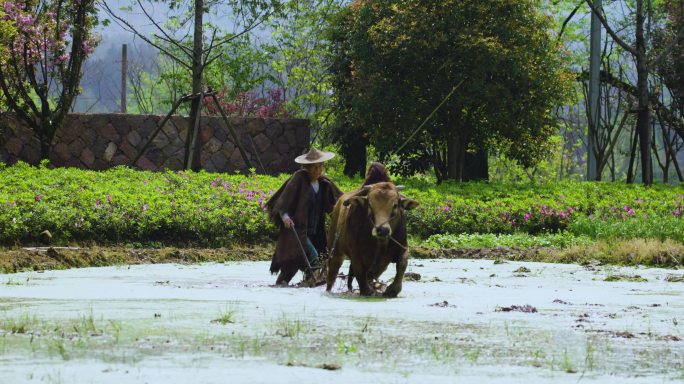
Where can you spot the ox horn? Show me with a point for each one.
(400, 187)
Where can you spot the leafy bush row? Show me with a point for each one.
(122, 205)
(599, 210)
(520, 240)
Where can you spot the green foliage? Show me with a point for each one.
(671, 67)
(122, 205)
(520, 240)
(396, 60)
(233, 61)
(556, 166)
(300, 54)
(126, 206)
(226, 316)
(645, 226)
(581, 208)
(7, 32)
(631, 278)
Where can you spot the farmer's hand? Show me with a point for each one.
(287, 222)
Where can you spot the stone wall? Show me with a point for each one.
(100, 141)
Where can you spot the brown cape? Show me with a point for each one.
(293, 198)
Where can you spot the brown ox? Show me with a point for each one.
(369, 227)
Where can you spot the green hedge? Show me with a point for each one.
(599, 210)
(123, 206)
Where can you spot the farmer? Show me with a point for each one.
(298, 208)
(377, 173)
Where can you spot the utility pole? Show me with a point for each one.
(124, 71)
(594, 97)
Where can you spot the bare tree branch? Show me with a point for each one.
(167, 38)
(207, 51)
(610, 31)
(127, 26)
(608, 78)
(567, 19)
(256, 23)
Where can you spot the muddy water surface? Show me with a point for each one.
(464, 320)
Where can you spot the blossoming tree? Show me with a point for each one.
(40, 77)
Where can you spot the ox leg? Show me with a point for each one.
(394, 288)
(334, 264)
(286, 274)
(350, 277)
(362, 278)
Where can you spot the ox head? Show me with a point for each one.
(384, 204)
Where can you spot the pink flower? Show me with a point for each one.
(144, 207)
(109, 199)
(39, 197)
(98, 203)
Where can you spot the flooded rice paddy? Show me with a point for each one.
(462, 321)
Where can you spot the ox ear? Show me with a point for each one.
(408, 204)
(355, 200)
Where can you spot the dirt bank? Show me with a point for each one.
(628, 252)
(45, 258)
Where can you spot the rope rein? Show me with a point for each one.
(401, 214)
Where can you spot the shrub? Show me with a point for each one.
(121, 205)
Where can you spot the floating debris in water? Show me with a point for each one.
(674, 278)
(330, 366)
(624, 334)
(517, 308)
(632, 278)
(443, 304)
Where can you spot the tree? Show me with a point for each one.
(7, 33)
(471, 74)
(171, 38)
(645, 59)
(671, 67)
(300, 52)
(41, 76)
